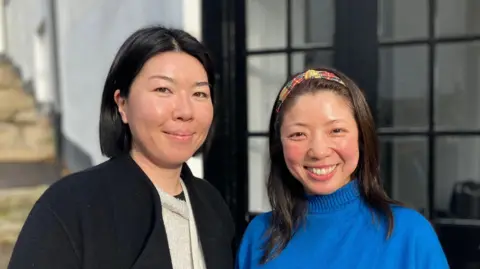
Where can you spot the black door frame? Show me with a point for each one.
(225, 153)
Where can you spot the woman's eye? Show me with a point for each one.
(162, 90)
(296, 135)
(201, 94)
(337, 131)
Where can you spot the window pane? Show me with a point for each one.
(457, 86)
(459, 17)
(265, 76)
(304, 60)
(457, 159)
(313, 22)
(266, 27)
(402, 19)
(404, 169)
(258, 167)
(403, 87)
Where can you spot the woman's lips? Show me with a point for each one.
(180, 135)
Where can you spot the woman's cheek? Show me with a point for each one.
(294, 153)
(348, 150)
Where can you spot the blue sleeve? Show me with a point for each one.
(251, 246)
(429, 252)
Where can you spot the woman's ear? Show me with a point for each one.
(121, 104)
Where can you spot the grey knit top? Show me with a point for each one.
(178, 222)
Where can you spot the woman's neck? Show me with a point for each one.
(167, 179)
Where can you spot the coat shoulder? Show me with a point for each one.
(78, 186)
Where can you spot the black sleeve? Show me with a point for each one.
(44, 243)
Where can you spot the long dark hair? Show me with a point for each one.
(287, 195)
(138, 48)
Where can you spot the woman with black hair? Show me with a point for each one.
(329, 209)
(142, 208)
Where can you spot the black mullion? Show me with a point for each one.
(307, 30)
(307, 25)
(239, 99)
(400, 43)
(225, 153)
(289, 38)
(450, 39)
(386, 118)
(431, 108)
(429, 133)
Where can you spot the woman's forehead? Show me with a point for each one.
(324, 105)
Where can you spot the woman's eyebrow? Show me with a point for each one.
(197, 84)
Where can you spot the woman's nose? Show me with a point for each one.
(183, 108)
(320, 147)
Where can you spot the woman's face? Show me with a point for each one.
(320, 141)
(169, 109)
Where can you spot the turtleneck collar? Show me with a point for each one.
(335, 201)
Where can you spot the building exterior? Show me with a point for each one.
(417, 60)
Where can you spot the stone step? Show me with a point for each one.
(14, 101)
(25, 136)
(15, 205)
(27, 142)
(8, 76)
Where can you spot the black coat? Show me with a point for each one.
(110, 216)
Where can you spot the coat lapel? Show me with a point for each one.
(139, 207)
(208, 226)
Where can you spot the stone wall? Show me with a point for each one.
(25, 135)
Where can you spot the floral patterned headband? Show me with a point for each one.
(309, 74)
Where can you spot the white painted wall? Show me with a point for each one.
(89, 33)
(192, 23)
(3, 38)
(29, 41)
(22, 19)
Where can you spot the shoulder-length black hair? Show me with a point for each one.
(115, 136)
(287, 195)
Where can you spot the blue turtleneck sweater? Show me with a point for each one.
(340, 232)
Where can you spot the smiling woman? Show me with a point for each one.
(143, 208)
(329, 209)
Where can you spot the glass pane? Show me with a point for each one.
(402, 19)
(266, 27)
(258, 167)
(304, 60)
(457, 160)
(457, 86)
(404, 169)
(403, 88)
(313, 22)
(459, 17)
(265, 76)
